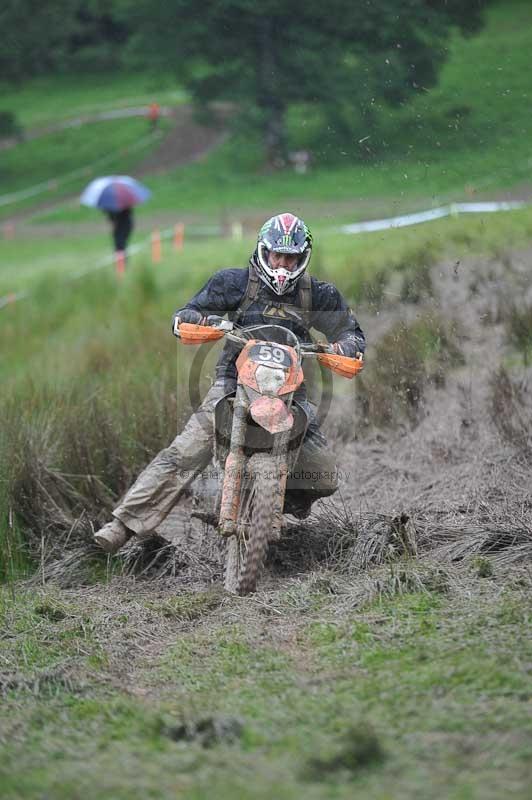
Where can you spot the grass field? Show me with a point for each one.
(55, 165)
(346, 259)
(306, 691)
(58, 154)
(44, 101)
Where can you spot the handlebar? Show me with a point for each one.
(219, 327)
(242, 335)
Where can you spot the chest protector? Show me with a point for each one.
(276, 311)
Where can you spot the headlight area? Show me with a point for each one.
(270, 379)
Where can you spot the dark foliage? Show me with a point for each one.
(59, 35)
(343, 59)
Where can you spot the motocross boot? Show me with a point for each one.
(298, 505)
(301, 511)
(112, 536)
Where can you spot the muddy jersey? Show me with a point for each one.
(225, 292)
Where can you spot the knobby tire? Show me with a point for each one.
(246, 552)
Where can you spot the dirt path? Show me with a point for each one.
(188, 141)
(447, 469)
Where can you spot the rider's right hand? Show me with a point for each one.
(189, 315)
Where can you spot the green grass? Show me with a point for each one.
(57, 154)
(44, 101)
(29, 261)
(483, 98)
(68, 331)
(112, 146)
(431, 153)
(350, 260)
(468, 136)
(419, 696)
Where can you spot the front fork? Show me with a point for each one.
(235, 464)
(280, 459)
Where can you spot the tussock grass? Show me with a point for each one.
(519, 330)
(349, 544)
(407, 279)
(104, 395)
(71, 462)
(510, 410)
(405, 361)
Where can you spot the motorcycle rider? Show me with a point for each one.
(274, 289)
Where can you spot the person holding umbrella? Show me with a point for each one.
(122, 225)
(116, 195)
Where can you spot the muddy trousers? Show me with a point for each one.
(161, 484)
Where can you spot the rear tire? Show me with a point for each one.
(246, 551)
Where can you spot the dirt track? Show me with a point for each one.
(448, 470)
(455, 469)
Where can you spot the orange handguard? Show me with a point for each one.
(198, 334)
(342, 365)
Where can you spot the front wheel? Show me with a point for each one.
(246, 551)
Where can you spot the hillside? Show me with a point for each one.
(467, 138)
(386, 653)
(357, 666)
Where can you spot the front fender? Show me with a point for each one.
(271, 414)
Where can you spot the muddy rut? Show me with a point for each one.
(448, 471)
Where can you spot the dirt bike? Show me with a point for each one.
(258, 434)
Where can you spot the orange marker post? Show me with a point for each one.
(120, 263)
(179, 236)
(156, 248)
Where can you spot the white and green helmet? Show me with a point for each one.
(284, 233)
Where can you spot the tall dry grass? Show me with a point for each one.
(406, 360)
(89, 395)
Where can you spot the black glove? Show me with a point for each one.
(189, 315)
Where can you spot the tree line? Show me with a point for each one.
(331, 65)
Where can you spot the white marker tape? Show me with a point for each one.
(427, 216)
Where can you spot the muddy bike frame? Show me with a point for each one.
(276, 422)
(258, 439)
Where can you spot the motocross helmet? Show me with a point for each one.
(284, 233)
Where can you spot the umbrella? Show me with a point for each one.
(114, 193)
